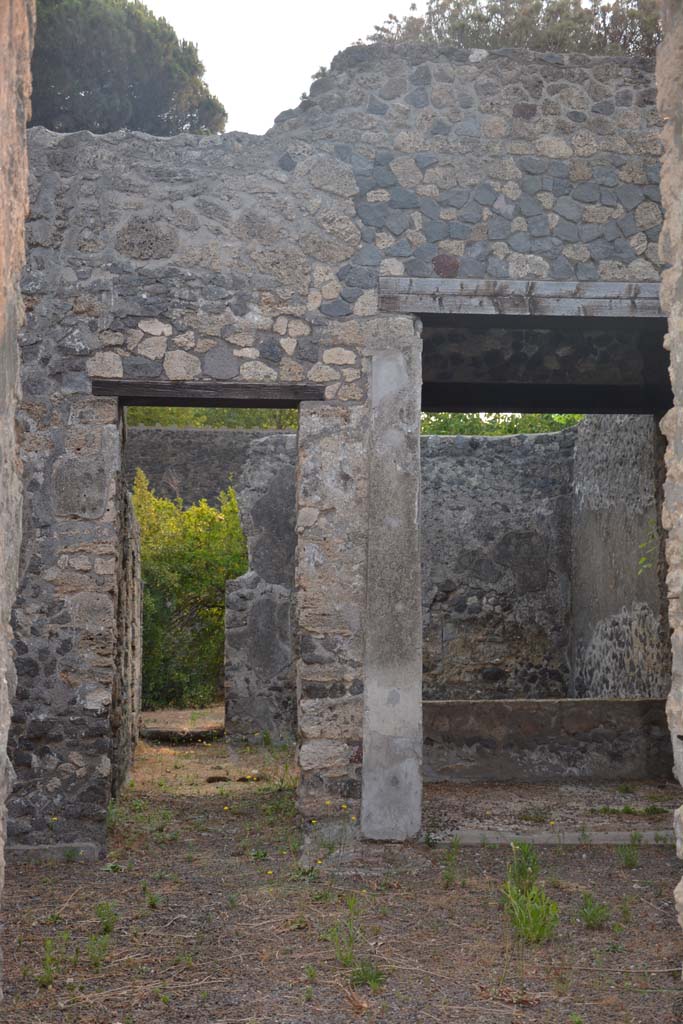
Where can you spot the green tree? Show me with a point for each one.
(107, 64)
(237, 419)
(563, 26)
(187, 555)
(496, 423)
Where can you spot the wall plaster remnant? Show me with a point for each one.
(620, 623)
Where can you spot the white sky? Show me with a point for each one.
(260, 55)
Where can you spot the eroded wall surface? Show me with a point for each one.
(620, 627)
(16, 41)
(257, 259)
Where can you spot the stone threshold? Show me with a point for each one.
(550, 837)
(157, 735)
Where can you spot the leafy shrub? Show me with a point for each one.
(187, 555)
(496, 423)
(230, 419)
(560, 26)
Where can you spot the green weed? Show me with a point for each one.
(107, 916)
(368, 974)
(593, 914)
(113, 814)
(533, 915)
(643, 812)
(523, 869)
(629, 853)
(97, 948)
(47, 976)
(449, 870)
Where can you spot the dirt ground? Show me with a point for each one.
(185, 720)
(590, 808)
(203, 912)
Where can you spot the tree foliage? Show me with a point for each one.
(187, 555)
(287, 419)
(496, 423)
(236, 419)
(562, 26)
(107, 64)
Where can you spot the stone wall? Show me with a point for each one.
(193, 464)
(670, 101)
(546, 740)
(496, 553)
(257, 259)
(16, 41)
(620, 628)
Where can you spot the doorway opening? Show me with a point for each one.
(191, 549)
(214, 494)
(547, 655)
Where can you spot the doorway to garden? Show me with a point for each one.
(205, 616)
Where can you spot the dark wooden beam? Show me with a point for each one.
(519, 298)
(578, 398)
(207, 393)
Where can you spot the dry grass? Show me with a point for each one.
(215, 921)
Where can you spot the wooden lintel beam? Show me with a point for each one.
(576, 398)
(222, 394)
(519, 298)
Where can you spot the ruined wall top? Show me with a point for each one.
(404, 160)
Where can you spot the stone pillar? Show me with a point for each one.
(670, 101)
(331, 486)
(392, 726)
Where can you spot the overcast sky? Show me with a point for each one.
(260, 55)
